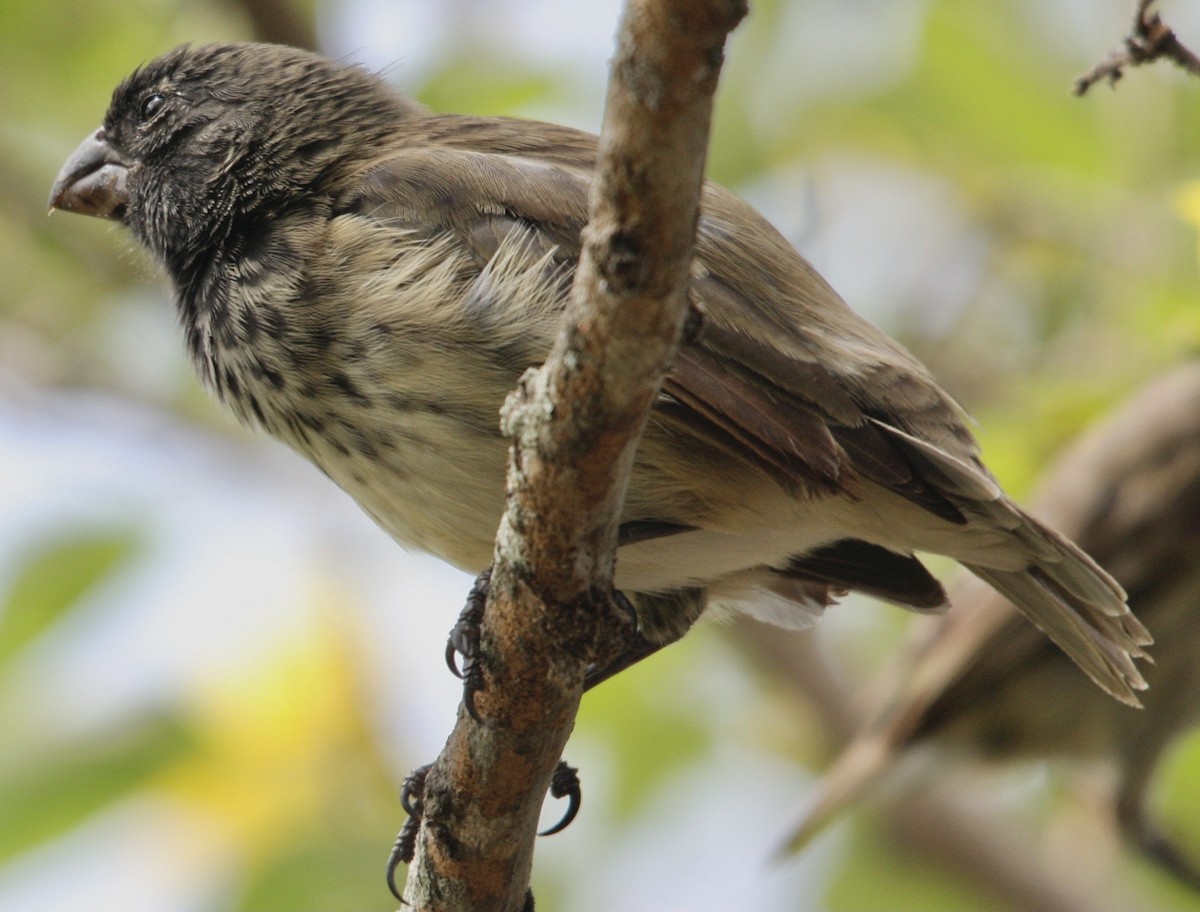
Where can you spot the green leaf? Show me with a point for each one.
(55, 581)
(654, 733)
(325, 876)
(872, 876)
(477, 83)
(1175, 800)
(46, 794)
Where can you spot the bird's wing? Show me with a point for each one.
(783, 377)
(776, 408)
(765, 380)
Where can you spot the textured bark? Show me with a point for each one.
(574, 426)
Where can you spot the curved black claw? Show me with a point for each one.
(565, 784)
(464, 641)
(528, 907)
(412, 791)
(412, 799)
(464, 635)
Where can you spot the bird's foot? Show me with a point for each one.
(564, 784)
(464, 642)
(634, 646)
(412, 799)
(465, 659)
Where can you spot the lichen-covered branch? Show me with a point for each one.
(574, 426)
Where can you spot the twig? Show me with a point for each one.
(1149, 40)
(574, 426)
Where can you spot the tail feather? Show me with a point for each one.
(1058, 587)
(1101, 644)
(1054, 583)
(1072, 569)
(1019, 542)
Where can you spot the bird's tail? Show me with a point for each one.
(1077, 605)
(1053, 583)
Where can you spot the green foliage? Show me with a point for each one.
(55, 581)
(1178, 799)
(481, 85)
(326, 875)
(637, 713)
(48, 788)
(47, 791)
(976, 87)
(897, 884)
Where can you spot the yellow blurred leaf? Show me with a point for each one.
(1187, 204)
(276, 737)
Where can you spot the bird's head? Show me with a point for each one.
(202, 138)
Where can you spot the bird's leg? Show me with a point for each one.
(657, 621)
(464, 641)
(672, 615)
(635, 647)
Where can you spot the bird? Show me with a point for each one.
(979, 685)
(365, 280)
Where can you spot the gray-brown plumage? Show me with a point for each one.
(984, 684)
(366, 281)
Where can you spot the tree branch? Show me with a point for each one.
(928, 821)
(1149, 40)
(279, 22)
(574, 426)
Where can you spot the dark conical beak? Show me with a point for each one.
(92, 182)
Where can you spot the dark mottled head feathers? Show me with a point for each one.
(225, 133)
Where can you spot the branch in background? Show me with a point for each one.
(574, 426)
(279, 22)
(1149, 40)
(930, 822)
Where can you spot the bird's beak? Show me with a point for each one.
(92, 182)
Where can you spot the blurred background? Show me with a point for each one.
(215, 671)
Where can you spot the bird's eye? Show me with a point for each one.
(151, 105)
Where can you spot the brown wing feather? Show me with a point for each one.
(792, 444)
(775, 415)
